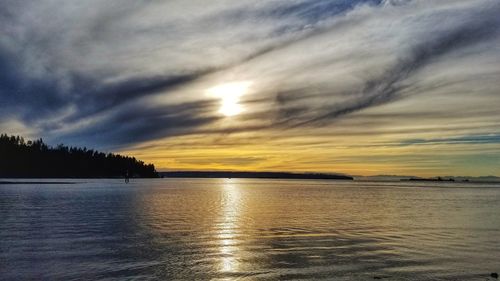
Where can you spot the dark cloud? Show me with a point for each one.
(137, 123)
(99, 98)
(313, 11)
(33, 99)
(23, 96)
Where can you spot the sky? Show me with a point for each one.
(406, 87)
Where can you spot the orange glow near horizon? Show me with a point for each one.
(242, 153)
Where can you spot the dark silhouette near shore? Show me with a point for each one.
(127, 177)
(35, 159)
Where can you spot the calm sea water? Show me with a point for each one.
(228, 229)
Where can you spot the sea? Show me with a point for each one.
(249, 229)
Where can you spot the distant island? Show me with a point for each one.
(256, 175)
(429, 179)
(35, 159)
(459, 179)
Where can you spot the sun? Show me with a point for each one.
(230, 94)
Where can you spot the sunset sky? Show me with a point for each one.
(358, 87)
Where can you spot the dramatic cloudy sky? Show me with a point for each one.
(359, 87)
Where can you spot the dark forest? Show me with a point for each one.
(35, 159)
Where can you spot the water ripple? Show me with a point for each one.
(248, 229)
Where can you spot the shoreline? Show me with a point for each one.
(36, 182)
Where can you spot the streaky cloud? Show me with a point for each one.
(390, 85)
(132, 124)
(471, 139)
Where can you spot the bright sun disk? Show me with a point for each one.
(230, 94)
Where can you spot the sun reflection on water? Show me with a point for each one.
(228, 226)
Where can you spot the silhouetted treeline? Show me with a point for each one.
(35, 159)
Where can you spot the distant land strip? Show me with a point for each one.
(254, 175)
(36, 182)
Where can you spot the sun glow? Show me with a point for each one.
(230, 94)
